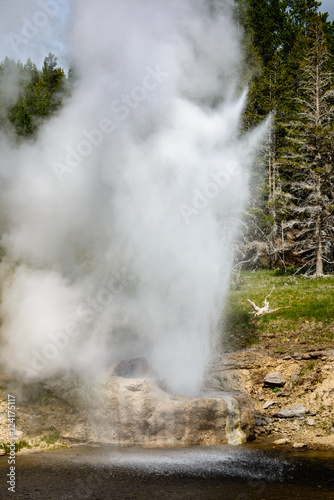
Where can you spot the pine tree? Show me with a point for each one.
(309, 171)
(301, 12)
(264, 21)
(39, 94)
(277, 38)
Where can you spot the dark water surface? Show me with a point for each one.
(225, 472)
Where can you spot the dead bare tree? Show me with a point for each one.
(309, 171)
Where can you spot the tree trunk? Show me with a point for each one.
(272, 191)
(319, 270)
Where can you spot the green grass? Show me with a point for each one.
(18, 446)
(305, 309)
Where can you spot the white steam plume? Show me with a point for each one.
(117, 223)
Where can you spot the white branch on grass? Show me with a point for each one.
(259, 311)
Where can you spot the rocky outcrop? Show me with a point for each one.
(137, 412)
(129, 406)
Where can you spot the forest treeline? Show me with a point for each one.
(28, 94)
(289, 63)
(290, 220)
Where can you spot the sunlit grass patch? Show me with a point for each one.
(304, 309)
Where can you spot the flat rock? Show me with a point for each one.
(310, 421)
(282, 441)
(283, 394)
(315, 354)
(291, 411)
(324, 353)
(274, 379)
(299, 445)
(268, 404)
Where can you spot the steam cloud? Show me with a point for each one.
(117, 223)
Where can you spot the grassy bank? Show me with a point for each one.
(304, 315)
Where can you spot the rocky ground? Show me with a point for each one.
(304, 379)
(124, 407)
(39, 416)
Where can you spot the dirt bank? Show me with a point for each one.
(308, 377)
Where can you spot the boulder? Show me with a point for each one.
(132, 368)
(138, 412)
(274, 379)
(291, 411)
(129, 410)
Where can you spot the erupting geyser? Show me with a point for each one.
(117, 223)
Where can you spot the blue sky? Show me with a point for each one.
(328, 6)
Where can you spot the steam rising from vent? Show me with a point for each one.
(117, 223)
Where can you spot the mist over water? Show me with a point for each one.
(118, 222)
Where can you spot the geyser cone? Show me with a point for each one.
(120, 218)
